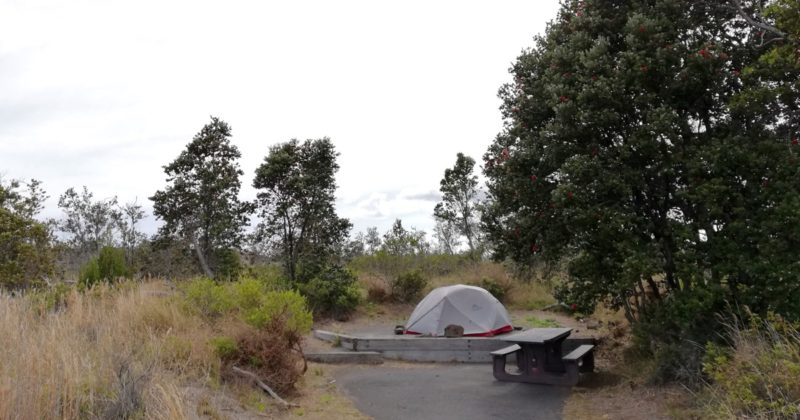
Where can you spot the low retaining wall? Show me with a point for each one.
(430, 349)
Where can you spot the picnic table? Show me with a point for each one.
(539, 357)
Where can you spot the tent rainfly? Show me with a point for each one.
(473, 308)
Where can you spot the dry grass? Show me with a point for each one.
(106, 354)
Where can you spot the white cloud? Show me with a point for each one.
(104, 92)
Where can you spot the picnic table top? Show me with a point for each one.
(537, 335)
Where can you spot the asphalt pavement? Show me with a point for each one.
(446, 391)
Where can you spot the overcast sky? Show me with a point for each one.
(104, 93)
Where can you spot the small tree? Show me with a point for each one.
(26, 256)
(296, 185)
(372, 240)
(89, 224)
(459, 205)
(446, 235)
(399, 241)
(200, 204)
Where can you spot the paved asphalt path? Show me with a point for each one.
(446, 391)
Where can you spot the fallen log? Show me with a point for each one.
(263, 386)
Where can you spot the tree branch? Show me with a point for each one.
(263, 386)
(753, 22)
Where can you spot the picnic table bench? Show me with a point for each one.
(539, 358)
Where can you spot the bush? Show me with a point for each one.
(758, 376)
(497, 289)
(287, 306)
(110, 265)
(408, 287)
(224, 347)
(670, 333)
(333, 292)
(206, 297)
(51, 298)
(229, 265)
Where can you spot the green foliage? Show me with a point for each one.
(26, 254)
(408, 287)
(224, 347)
(110, 265)
(249, 299)
(333, 292)
(638, 150)
(50, 299)
(201, 202)
(497, 289)
(758, 376)
(287, 305)
(296, 193)
(535, 322)
(229, 264)
(89, 224)
(459, 205)
(206, 297)
(669, 333)
(399, 241)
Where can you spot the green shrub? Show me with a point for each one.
(288, 304)
(408, 287)
(333, 292)
(229, 265)
(247, 294)
(270, 275)
(108, 266)
(757, 375)
(224, 347)
(498, 290)
(670, 333)
(206, 297)
(50, 298)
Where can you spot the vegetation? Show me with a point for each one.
(636, 149)
(108, 266)
(200, 205)
(296, 185)
(458, 209)
(757, 374)
(26, 255)
(408, 287)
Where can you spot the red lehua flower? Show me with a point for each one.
(534, 248)
(736, 72)
(794, 141)
(569, 195)
(533, 178)
(594, 77)
(579, 13)
(574, 307)
(563, 98)
(642, 29)
(704, 53)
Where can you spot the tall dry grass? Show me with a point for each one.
(107, 353)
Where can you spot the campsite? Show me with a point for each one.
(550, 209)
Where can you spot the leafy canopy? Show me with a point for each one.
(296, 192)
(200, 204)
(635, 147)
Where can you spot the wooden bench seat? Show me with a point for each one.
(580, 360)
(506, 350)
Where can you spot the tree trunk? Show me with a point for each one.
(203, 263)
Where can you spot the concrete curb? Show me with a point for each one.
(428, 349)
(359, 357)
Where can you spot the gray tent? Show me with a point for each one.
(473, 308)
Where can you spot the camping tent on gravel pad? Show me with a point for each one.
(473, 308)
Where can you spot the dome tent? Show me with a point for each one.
(473, 308)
